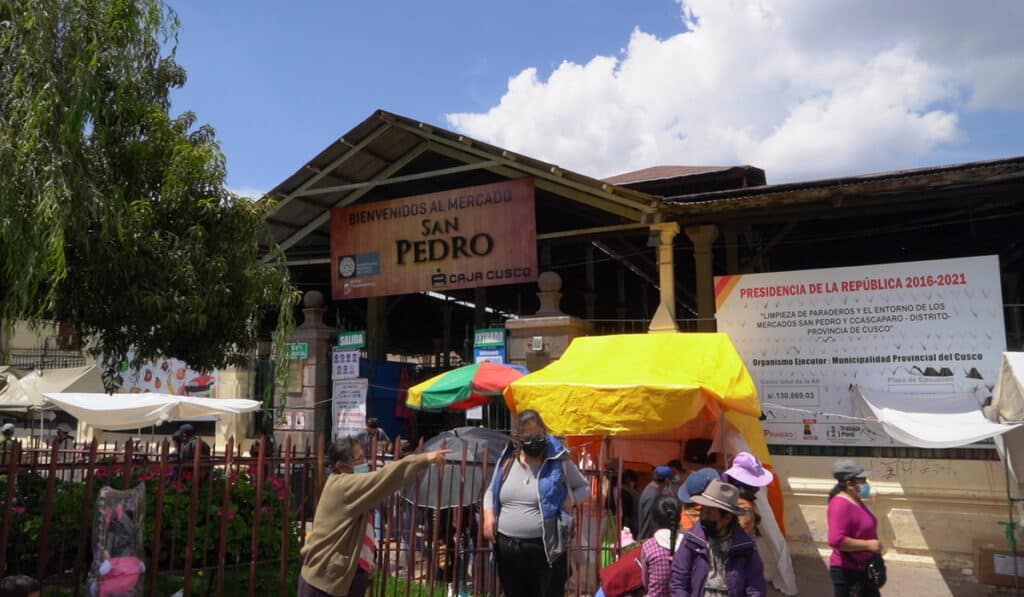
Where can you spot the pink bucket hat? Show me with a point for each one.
(747, 470)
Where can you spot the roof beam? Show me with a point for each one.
(553, 174)
(557, 188)
(312, 180)
(350, 198)
(398, 179)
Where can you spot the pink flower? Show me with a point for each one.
(17, 510)
(265, 510)
(233, 477)
(277, 483)
(281, 495)
(227, 513)
(102, 472)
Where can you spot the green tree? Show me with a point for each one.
(113, 212)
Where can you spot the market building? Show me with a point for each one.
(633, 253)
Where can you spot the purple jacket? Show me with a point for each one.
(744, 571)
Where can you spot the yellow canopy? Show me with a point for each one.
(643, 384)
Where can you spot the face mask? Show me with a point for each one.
(865, 490)
(710, 527)
(535, 446)
(361, 468)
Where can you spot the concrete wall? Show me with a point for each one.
(925, 508)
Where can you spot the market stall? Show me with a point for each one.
(648, 394)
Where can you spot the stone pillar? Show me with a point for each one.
(665, 317)
(549, 323)
(702, 238)
(309, 384)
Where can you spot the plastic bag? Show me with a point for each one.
(118, 561)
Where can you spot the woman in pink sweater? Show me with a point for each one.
(852, 531)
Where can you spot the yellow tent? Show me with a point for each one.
(664, 385)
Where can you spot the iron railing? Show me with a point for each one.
(232, 523)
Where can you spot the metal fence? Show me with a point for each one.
(44, 359)
(230, 523)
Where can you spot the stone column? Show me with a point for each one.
(309, 384)
(732, 249)
(549, 323)
(665, 317)
(702, 238)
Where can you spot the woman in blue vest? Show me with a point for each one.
(527, 496)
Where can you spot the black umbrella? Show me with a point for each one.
(459, 482)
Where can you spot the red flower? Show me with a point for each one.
(17, 510)
(233, 477)
(102, 472)
(281, 495)
(277, 483)
(227, 513)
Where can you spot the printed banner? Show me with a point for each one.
(349, 407)
(464, 238)
(933, 327)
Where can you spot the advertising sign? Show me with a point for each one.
(464, 238)
(298, 350)
(933, 327)
(489, 348)
(344, 364)
(166, 376)
(348, 407)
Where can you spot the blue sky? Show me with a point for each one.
(617, 85)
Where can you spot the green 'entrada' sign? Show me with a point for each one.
(490, 337)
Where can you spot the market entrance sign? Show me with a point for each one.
(464, 238)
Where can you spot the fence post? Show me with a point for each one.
(260, 464)
(286, 507)
(224, 513)
(87, 504)
(13, 452)
(193, 505)
(44, 533)
(161, 490)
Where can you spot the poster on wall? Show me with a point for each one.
(344, 364)
(463, 238)
(925, 327)
(167, 376)
(348, 406)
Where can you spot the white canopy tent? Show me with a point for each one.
(123, 412)
(932, 421)
(24, 390)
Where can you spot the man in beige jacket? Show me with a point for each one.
(330, 558)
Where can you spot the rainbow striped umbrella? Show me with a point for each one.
(465, 387)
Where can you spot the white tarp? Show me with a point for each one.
(1008, 393)
(117, 412)
(932, 421)
(26, 391)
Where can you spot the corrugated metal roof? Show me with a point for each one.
(662, 173)
(881, 185)
(390, 146)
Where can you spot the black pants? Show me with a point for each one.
(524, 571)
(851, 583)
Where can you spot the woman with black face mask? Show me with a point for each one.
(535, 484)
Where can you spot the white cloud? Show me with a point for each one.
(802, 89)
(250, 192)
